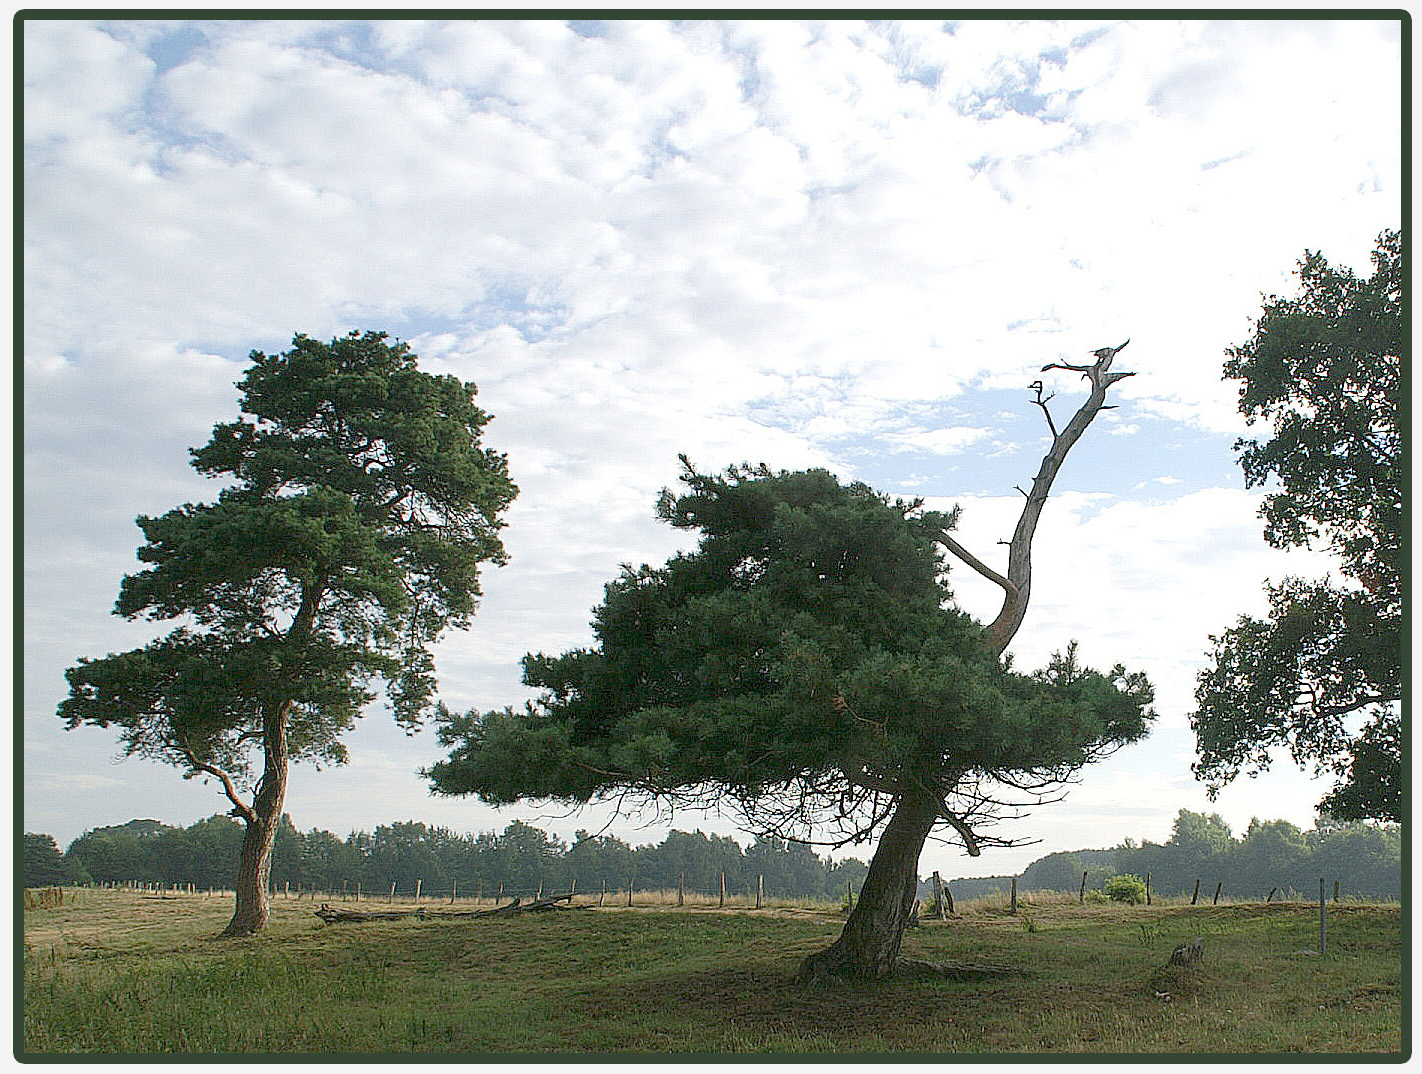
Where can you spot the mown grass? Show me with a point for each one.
(118, 973)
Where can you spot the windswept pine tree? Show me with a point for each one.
(806, 664)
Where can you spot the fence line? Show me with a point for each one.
(418, 891)
(755, 897)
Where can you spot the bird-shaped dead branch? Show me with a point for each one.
(1042, 402)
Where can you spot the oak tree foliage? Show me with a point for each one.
(1321, 675)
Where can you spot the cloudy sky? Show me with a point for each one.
(805, 243)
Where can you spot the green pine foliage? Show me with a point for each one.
(806, 649)
(358, 508)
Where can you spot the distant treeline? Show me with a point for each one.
(1365, 859)
(520, 860)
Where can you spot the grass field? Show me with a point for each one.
(119, 972)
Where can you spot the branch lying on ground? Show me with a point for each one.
(334, 916)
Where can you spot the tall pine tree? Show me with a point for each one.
(359, 508)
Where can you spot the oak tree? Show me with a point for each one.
(806, 665)
(359, 508)
(1321, 675)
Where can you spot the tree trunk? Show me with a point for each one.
(255, 864)
(868, 948)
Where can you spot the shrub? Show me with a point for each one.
(1126, 888)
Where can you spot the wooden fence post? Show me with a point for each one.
(1014, 896)
(453, 891)
(1197, 891)
(1082, 897)
(418, 884)
(1335, 891)
(681, 889)
(392, 892)
(629, 892)
(1218, 888)
(759, 890)
(1147, 887)
(722, 903)
(1322, 920)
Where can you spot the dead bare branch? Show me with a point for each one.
(1019, 569)
(972, 561)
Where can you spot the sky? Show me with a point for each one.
(830, 243)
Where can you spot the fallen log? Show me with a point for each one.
(335, 915)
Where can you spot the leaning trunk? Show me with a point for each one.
(868, 948)
(255, 864)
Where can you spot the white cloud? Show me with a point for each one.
(950, 441)
(78, 79)
(758, 240)
(74, 783)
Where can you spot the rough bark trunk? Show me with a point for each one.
(255, 864)
(868, 948)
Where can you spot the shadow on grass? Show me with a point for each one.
(763, 1002)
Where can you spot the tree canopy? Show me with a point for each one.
(359, 508)
(805, 663)
(1322, 674)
